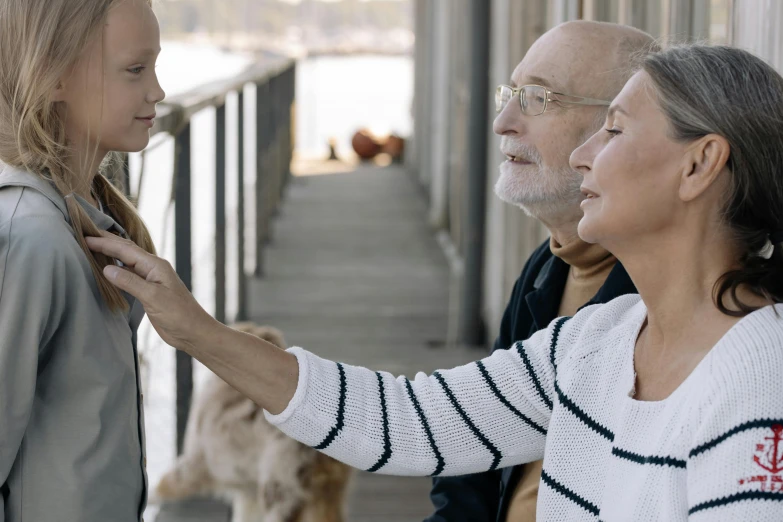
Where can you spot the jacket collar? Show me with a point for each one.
(102, 220)
(16, 177)
(544, 301)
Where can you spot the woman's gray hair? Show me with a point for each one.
(726, 91)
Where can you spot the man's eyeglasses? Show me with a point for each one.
(534, 98)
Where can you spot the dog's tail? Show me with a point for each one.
(189, 477)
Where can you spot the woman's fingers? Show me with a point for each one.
(130, 282)
(170, 307)
(131, 255)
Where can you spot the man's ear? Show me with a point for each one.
(704, 161)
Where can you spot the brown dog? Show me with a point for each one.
(230, 451)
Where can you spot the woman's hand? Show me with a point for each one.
(171, 308)
(258, 369)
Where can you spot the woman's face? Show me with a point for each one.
(632, 170)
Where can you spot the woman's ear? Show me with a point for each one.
(704, 160)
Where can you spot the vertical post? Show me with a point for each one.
(471, 324)
(183, 250)
(273, 152)
(292, 114)
(241, 290)
(261, 98)
(281, 121)
(290, 125)
(269, 152)
(220, 213)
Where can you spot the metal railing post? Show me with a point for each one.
(220, 213)
(262, 91)
(289, 114)
(183, 255)
(282, 142)
(284, 116)
(242, 279)
(273, 152)
(280, 120)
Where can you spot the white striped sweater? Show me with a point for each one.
(713, 450)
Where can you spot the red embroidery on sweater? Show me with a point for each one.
(769, 457)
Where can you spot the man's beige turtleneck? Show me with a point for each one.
(590, 266)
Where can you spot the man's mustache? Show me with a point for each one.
(522, 151)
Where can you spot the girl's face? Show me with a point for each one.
(110, 94)
(632, 170)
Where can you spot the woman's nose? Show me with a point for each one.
(582, 157)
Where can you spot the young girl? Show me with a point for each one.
(77, 81)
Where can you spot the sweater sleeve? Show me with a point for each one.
(477, 417)
(735, 464)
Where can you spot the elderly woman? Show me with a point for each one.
(663, 406)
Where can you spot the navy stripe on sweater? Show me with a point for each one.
(532, 374)
(563, 398)
(650, 459)
(581, 415)
(340, 413)
(758, 423)
(737, 497)
(553, 344)
(494, 388)
(387, 451)
(570, 495)
(441, 463)
(496, 455)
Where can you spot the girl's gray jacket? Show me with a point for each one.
(71, 418)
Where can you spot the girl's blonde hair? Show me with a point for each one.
(40, 40)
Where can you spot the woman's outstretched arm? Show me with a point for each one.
(477, 417)
(484, 415)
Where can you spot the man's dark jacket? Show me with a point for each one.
(534, 303)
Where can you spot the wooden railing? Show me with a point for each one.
(275, 88)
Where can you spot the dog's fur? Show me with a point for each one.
(232, 452)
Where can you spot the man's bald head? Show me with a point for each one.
(585, 58)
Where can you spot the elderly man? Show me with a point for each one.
(557, 99)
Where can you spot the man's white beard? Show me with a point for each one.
(540, 192)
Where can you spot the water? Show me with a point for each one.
(335, 97)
